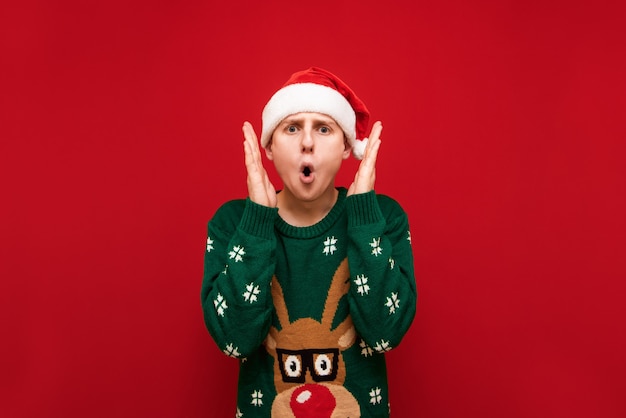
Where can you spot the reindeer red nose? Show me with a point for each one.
(312, 401)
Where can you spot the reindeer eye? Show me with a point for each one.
(293, 366)
(323, 365)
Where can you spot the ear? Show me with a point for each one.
(270, 342)
(268, 151)
(347, 339)
(347, 149)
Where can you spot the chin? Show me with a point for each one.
(307, 196)
(311, 193)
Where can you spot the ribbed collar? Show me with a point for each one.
(319, 228)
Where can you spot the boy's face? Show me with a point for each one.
(307, 150)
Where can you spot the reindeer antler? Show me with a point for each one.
(338, 288)
(279, 303)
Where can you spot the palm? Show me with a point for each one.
(365, 176)
(260, 188)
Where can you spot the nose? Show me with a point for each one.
(307, 141)
(312, 401)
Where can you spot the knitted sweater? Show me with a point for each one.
(310, 311)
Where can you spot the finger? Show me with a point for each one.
(253, 165)
(368, 163)
(252, 140)
(373, 155)
(250, 162)
(373, 138)
(377, 128)
(249, 137)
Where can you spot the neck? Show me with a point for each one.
(302, 213)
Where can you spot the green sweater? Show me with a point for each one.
(310, 311)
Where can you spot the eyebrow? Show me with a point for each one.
(316, 120)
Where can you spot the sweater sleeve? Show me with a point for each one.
(383, 294)
(239, 263)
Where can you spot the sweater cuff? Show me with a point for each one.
(363, 209)
(258, 220)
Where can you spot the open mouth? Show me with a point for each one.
(307, 173)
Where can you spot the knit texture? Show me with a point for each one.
(310, 311)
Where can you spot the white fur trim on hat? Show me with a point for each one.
(308, 97)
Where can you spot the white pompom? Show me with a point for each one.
(358, 148)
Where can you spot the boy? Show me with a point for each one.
(309, 287)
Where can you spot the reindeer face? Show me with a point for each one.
(309, 371)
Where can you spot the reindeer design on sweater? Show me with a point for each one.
(309, 382)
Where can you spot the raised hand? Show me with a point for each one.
(366, 174)
(260, 188)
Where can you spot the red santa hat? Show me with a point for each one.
(318, 90)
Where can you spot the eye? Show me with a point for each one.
(293, 366)
(325, 130)
(323, 365)
(292, 129)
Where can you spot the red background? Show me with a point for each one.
(504, 140)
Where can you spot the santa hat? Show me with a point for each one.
(318, 90)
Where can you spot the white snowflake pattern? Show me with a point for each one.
(375, 244)
(237, 253)
(231, 351)
(250, 295)
(209, 244)
(238, 414)
(375, 396)
(225, 271)
(366, 350)
(220, 304)
(382, 346)
(257, 396)
(393, 303)
(392, 263)
(408, 238)
(361, 284)
(329, 245)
